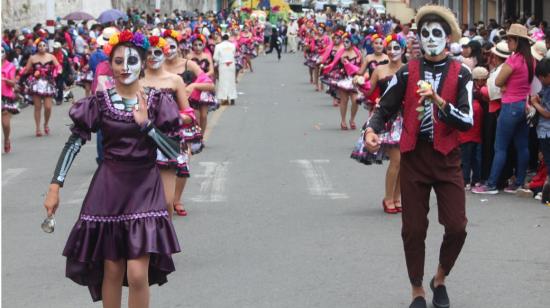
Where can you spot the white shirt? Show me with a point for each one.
(293, 28)
(224, 52)
(80, 45)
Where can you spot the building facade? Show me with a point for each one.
(25, 13)
(471, 11)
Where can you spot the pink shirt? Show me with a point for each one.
(102, 69)
(517, 85)
(8, 72)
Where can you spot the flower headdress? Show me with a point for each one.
(198, 37)
(338, 33)
(395, 37)
(137, 39)
(172, 34)
(159, 42)
(38, 41)
(375, 36)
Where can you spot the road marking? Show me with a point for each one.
(213, 121)
(11, 174)
(213, 183)
(80, 193)
(318, 182)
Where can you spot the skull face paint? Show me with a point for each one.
(378, 45)
(155, 57)
(131, 66)
(433, 38)
(172, 49)
(394, 51)
(198, 45)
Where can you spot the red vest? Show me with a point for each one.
(445, 137)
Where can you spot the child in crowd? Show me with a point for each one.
(534, 187)
(470, 141)
(541, 102)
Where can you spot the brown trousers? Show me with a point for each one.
(421, 170)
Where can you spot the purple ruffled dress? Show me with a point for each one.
(124, 214)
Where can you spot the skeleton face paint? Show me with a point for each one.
(198, 45)
(347, 43)
(433, 38)
(155, 57)
(131, 66)
(172, 50)
(394, 50)
(378, 45)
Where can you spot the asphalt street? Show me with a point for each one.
(279, 216)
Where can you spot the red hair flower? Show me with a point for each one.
(125, 36)
(153, 40)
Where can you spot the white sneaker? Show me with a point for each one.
(468, 187)
(539, 196)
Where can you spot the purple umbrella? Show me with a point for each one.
(111, 15)
(78, 16)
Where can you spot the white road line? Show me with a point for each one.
(318, 182)
(213, 183)
(11, 174)
(80, 193)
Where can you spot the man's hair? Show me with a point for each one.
(543, 67)
(428, 18)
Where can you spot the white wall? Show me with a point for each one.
(26, 13)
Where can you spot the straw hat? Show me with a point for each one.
(501, 50)
(56, 45)
(480, 72)
(538, 50)
(444, 13)
(519, 31)
(106, 35)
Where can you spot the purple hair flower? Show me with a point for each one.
(140, 40)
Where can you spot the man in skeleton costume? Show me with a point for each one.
(435, 95)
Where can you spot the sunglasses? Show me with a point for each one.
(156, 52)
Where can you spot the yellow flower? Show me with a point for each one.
(113, 40)
(161, 43)
(174, 34)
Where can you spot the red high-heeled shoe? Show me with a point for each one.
(343, 126)
(352, 125)
(398, 208)
(178, 208)
(38, 133)
(7, 146)
(387, 209)
(46, 130)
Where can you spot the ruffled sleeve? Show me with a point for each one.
(164, 113)
(86, 117)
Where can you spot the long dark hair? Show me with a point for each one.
(524, 48)
(475, 46)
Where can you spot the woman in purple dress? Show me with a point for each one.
(123, 234)
(157, 77)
